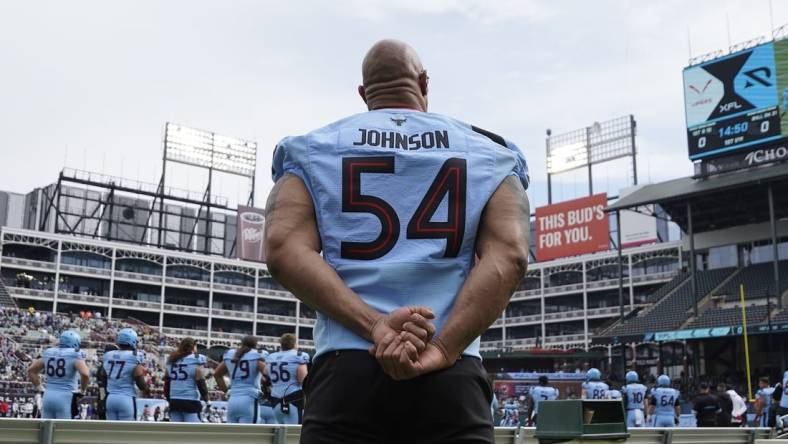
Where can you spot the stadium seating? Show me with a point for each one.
(782, 316)
(719, 317)
(758, 282)
(667, 288)
(5, 298)
(670, 312)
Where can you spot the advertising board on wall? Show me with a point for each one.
(572, 228)
(250, 233)
(637, 227)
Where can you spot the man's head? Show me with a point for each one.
(127, 339)
(763, 382)
(287, 341)
(722, 387)
(543, 380)
(393, 77)
(703, 388)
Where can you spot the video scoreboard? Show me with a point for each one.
(738, 101)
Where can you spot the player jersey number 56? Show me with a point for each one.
(451, 179)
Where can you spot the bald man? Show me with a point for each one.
(422, 222)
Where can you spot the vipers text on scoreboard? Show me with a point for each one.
(737, 101)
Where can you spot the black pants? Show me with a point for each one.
(350, 400)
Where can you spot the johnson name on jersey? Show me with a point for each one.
(398, 196)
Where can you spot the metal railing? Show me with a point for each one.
(33, 431)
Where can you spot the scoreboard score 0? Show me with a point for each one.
(737, 101)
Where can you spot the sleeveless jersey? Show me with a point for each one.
(59, 368)
(244, 375)
(665, 399)
(636, 396)
(784, 388)
(398, 196)
(181, 374)
(282, 369)
(596, 389)
(765, 395)
(614, 394)
(119, 366)
(542, 393)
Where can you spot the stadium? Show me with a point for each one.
(686, 278)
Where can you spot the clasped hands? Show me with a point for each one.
(404, 345)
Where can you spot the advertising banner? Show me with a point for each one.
(250, 233)
(637, 227)
(571, 228)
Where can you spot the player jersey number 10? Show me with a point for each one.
(451, 179)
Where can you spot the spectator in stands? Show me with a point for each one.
(4, 409)
(706, 407)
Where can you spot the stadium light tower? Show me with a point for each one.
(583, 148)
(211, 151)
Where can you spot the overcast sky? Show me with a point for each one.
(91, 84)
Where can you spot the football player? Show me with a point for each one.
(61, 365)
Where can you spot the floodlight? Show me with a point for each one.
(210, 150)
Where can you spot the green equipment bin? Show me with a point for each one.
(580, 419)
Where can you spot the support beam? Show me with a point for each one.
(693, 267)
(776, 269)
(620, 288)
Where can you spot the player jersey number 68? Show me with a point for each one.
(451, 179)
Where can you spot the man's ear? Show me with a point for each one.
(362, 92)
(424, 83)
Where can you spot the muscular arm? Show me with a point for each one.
(502, 248)
(84, 375)
(301, 373)
(218, 376)
(202, 387)
(293, 248)
(139, 379)
(34, 372)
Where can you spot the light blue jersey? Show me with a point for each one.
(614, 394)
(59, 368)
(181, 374)
(784, 399)
(542, 393)
(282, 369)
(61, 381)
(635, 396)
(244, 375)
(595, 389)
(398, 196)
(765, 395)
(119, 365)
(665, 399)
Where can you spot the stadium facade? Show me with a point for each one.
(560, 304)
